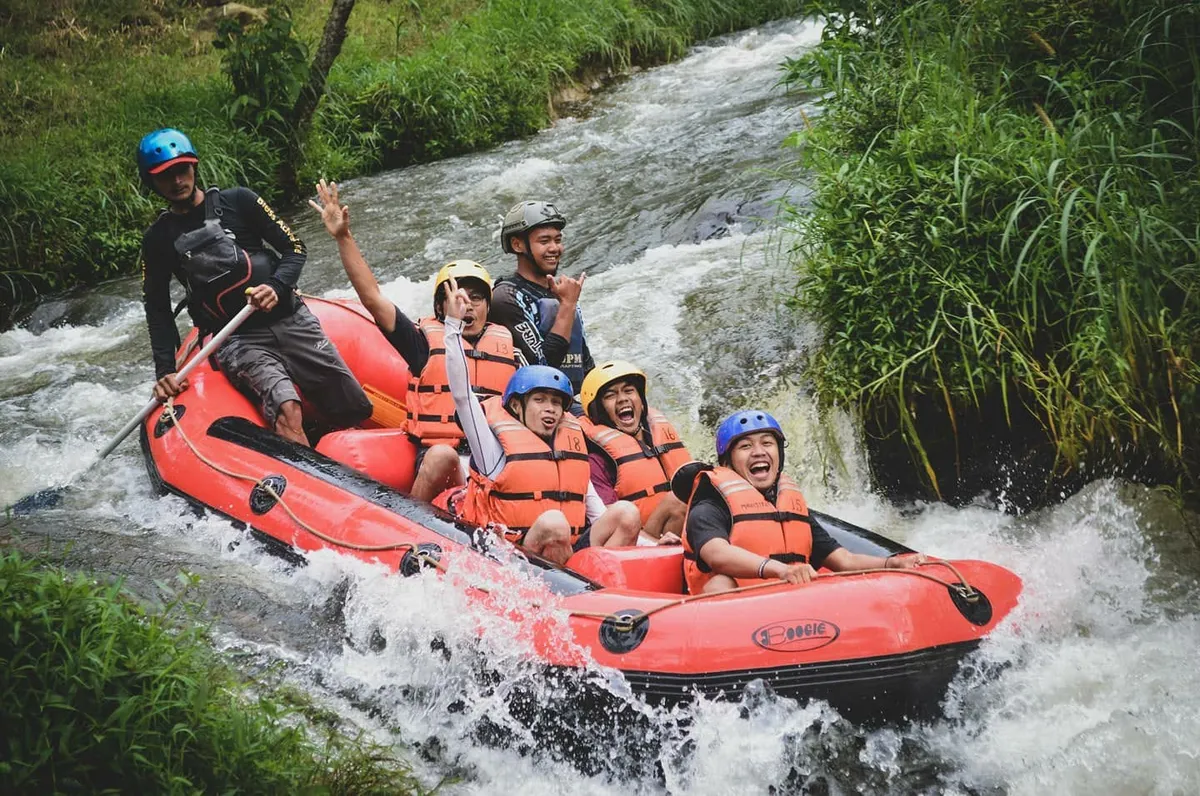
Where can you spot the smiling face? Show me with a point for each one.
(176, 184)
(755, 457)
(622, 402)
(544, 252)
(542, 411)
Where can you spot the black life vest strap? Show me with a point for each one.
(554, 494)
(437, 418)
(211, 209)
(633, 457)
(473, 353)
(659, 450)
(773, 516)
(547, 456)
(644, 493)
(790, 558)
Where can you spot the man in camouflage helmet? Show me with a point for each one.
(538, 306)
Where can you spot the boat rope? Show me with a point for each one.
(627, 622)
(270, 490)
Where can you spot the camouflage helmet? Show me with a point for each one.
(525, 216)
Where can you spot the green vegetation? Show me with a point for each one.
(1002, 248)
(81, 81)
(98, 695)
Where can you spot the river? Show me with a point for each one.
(669, 183)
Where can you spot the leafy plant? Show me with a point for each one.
(267, 66)
(1001, 229)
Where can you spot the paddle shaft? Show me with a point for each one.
(201, 355)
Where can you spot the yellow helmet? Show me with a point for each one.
(603, 375)
(462, 269)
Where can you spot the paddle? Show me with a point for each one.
(51, 496)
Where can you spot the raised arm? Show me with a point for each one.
(486, 451)
(337, 223)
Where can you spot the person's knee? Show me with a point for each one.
(440, 460)
(626, 523)
(553, 526)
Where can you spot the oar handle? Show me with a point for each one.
(201, 355)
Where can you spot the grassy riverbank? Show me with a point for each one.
(80, 82)
(1002, 248)
(99, 695)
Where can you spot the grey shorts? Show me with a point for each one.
(268, 364)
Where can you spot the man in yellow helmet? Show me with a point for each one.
(633, 449)
(442, 458)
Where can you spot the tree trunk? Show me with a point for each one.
(310, 95)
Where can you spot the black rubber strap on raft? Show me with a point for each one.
(644, 493)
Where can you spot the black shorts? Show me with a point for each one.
(584, 540)
(268, 364)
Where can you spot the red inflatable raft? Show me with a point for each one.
(873, 644)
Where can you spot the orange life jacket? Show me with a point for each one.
(535, 478)
(490, 362)
(780, 530)
(643, 473)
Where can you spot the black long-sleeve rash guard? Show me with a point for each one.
(255, 226)
(514, 304)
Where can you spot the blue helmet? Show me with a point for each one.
(739, 424)
(538, 377)
(162, 149)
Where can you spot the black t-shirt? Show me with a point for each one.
(411, 343)
(709, 518)
(255, 226)
(515, 305)
(408, 339)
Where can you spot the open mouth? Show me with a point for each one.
(760, 468)
(468, 319)
(625, 414)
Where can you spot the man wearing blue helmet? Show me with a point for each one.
(529, 459)
(218, 244)
(748, 523)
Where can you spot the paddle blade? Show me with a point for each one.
(43, 499)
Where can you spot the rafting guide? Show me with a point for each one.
(217, 243)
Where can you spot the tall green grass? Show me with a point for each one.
(98, 695)
(415, 82)
(1004, 230)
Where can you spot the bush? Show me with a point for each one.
(1001, 227)
(98, 695)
